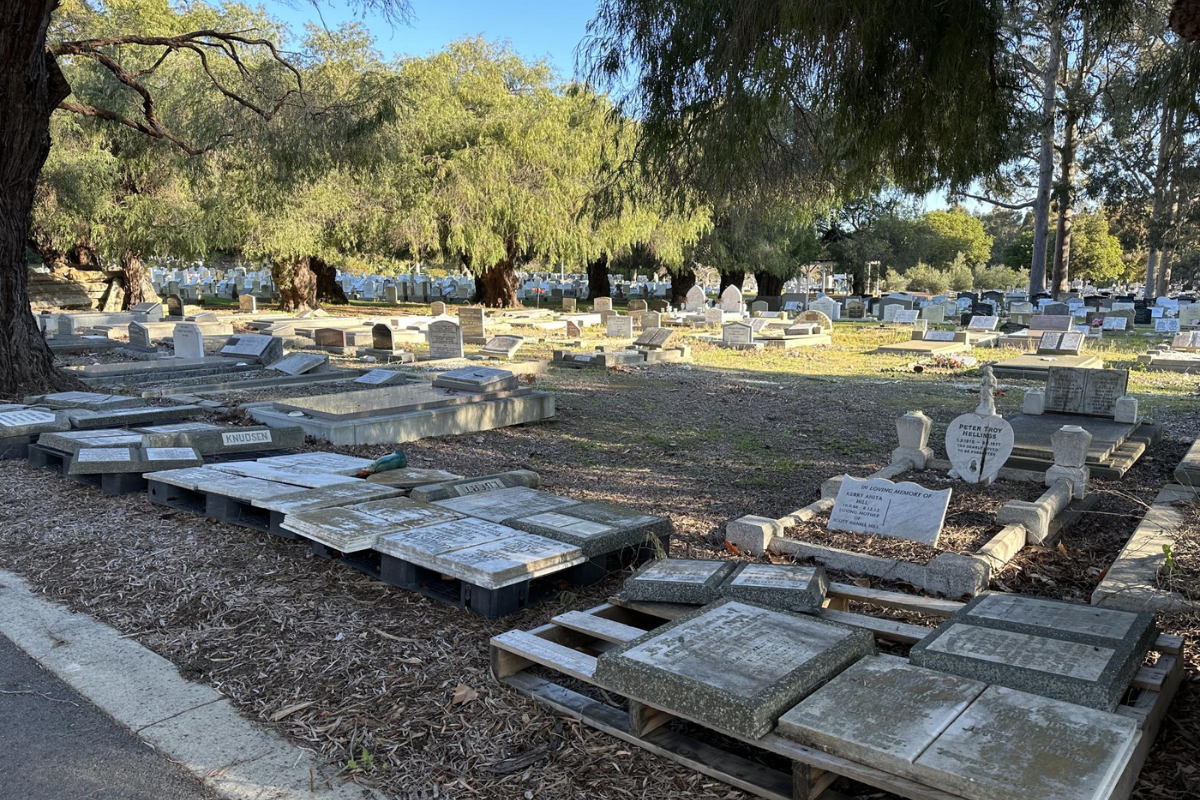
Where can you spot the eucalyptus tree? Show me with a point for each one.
(248, 75)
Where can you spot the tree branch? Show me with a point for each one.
(999, 203)
(225, 44)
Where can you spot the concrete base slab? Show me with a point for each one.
(1035, 367)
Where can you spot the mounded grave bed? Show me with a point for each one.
(970, 522)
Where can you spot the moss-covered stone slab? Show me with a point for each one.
(1067, 651)
(731, 665)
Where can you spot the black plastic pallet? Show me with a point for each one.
(489, 603)
(48, 459)
(113, 482)
(13, 448)
(219, 507)
(365, 561)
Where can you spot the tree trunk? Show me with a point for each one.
(328, 288)
(31, 85)
(598, 285)
(1066, 210)
(768, 285)
(732, 279)
(1152, 260)
(1041, 207)
(500, 285)
(138, 287)
(681, 283)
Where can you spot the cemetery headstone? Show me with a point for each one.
(437, 308)
(654, 338)
(880, 507)
(737, 334)
(174, 305)
(188, 340)
(502, 346)
(695, 299)
(1091, 392)
(620, 327)
(381, 377)
(602, 304)
(247, 303)
(471, 318)
(1166, 325)
(569, 304)
(445, 339)
(637, 305)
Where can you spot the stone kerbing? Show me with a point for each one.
(1130, 582)
(1036, 516)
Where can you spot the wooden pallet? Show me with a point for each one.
(570, 643)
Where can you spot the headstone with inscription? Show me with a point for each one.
(737, 334)
(254, 347)
(597, 527)
(654, 338)
(1085, 391)
(474, 329)
(502, 346)
(445, 339)
(483, 483)
(381, 377)
(620, 327)
(695, 300)
(569, 305)
(188, 340)
(880, 507)
(732, 666)
(602, 304)
(792, 587)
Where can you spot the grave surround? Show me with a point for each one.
(732, 665)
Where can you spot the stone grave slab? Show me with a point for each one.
(482, 483)
(85, 419)
(99, 460)
(445, 339)
(882, 712)
(367, 403)
(678, 580)
(410, 478)
(595, 527)
(792, 587)
(334, 463)
(1010, 745)
(477, 379)
(32, 421)
(733, 666)
(207, 479)
(221, 440)
(254, 347)
(299, 363)
(93, 401)
(1066, 651)
(1085, 391)
(502, 346)
(74, 441)
(338, 494)
(382, 377)
(880, 507)
(1032, 433)
(654, 338)
(296, 476)
(501, 505)
(351, 529)
(481, 553)
(978, 446)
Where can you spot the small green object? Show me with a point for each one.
(396, 460)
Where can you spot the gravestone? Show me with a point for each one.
(819, 317)
(856, 309)
(792, 587)
(654, 338)
(933, 314)
(573, 330)
(139, 336)
(695, 299)
(737, 334)
(329, 337)
(247, 304)
(602, 304)
(636, 306)
(471, 318)
(713, 316)
(759, 307)
(381, 377)
(596, 528)
(437, 308)
(678, 580)
(1064, 343)
(1056, 310)
(299, 363)
(843, 716)
(732, 666)
(254, 347)
(24, 422)
(904, 316)
(987, 323)
(150, 310)
(979, 443)
(357, 527)
(651, 319)
(940, 336)
(501, 505)
(174, 305)
(1166, 325)
(731, 300)
(477, 379)
(445, 339)
(483, 483)
(1051, 322)
(188, 340)
(502, 346)
(620, 327)
(383, 338)
(1111, 323)
(1085, 391)
(1067, 651)
(880, 507)
(569, 304)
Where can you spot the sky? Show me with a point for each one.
(537, 29)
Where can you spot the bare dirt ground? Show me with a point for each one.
(358, 671)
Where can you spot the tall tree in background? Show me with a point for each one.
(32, 86)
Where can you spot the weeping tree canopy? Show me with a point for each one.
(735, 95)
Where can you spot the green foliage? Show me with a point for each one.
(924, 278)
(959, 275)
(894, 282)
(999, 276)
(948, 233)
(1095, 253)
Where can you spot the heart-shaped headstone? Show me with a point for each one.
(978, 446)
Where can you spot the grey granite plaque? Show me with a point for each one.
(793, 587)
(335, 463)
(882, 712)
(678, 580)
(358, 527)
(596, 527)
(1009, 745)
(501, 505)
(733, 666)
(1084, 391)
